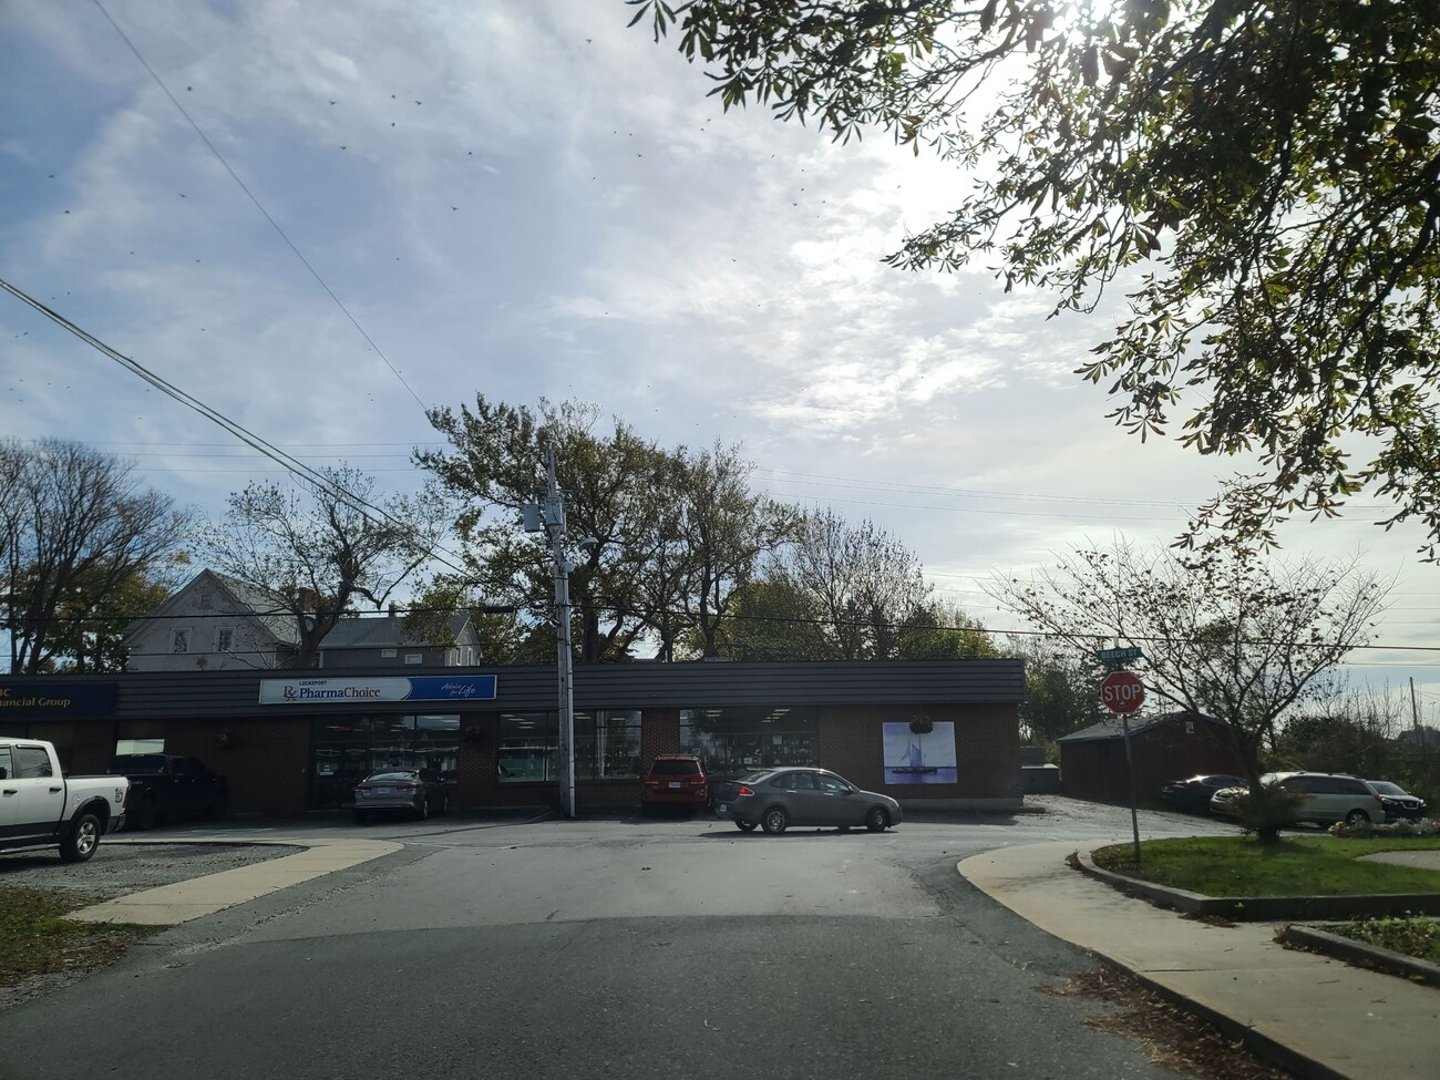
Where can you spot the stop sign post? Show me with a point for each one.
(1122, 692)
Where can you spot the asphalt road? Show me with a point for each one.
(624, 948)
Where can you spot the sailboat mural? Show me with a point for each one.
(920, 757)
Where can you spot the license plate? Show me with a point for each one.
(721, 808)
(383, 791)
(675, 785)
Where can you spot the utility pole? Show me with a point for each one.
(549, 515)
(1415, 712)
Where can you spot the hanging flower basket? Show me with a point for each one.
(922, 725)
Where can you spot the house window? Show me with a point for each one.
(414, 658)
(206, 603)
(387, 654)
(180, 641)
(225, 639)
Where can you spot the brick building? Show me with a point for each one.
(938, 733)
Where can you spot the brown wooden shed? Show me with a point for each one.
(1170, 746)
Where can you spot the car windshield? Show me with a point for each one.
(1384, 787)
(674, 767)
(393, 774)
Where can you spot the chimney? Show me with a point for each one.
(392, 609)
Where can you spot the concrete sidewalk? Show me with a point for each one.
(170, 905)
(1318, 1016)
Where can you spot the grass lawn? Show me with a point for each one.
(1418, 937)
(35, 940)
(1296, 866)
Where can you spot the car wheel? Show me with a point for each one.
(774, 821)
(1355, 817)
(877, 820)
(82, 839)
(424, 811)
(745, 826)
(144, 816)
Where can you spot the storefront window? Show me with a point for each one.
(607, 746)
(529, 747)
(347, 749)
(735, 741)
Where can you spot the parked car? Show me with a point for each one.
(419, 792)
(1325, 797)
(1193, 794)
(1398, 803)
(40, 807)
(675, 780)
(778, 798)
(164, 787)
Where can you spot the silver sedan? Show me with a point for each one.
(778, 798)
(417, 792)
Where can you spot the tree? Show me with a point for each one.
(773, 618)
(1227, 635)
(1263, 176)
(316, 555)
(1351, 733)
(863, 581)
(78, 528)
(90, 625)
(1061, 691)
(723, 529)
(496, 465)
(943, 632)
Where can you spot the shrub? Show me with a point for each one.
(1268, 812)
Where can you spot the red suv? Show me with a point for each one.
(675, 780)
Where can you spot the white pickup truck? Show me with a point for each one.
(40, 808)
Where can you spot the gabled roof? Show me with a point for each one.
(386, 631)
(264, 608)
(243, 599)
(1113, 728)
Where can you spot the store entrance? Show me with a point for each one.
(344, 750)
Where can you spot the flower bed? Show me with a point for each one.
(1366, 829)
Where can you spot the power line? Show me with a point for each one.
(291, 464)
(258, 206)
(624, 610)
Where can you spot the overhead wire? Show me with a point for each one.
(260, 206)
(293, 465)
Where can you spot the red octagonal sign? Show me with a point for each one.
(1122, 691)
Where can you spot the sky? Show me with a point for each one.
(530, 200)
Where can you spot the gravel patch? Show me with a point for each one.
(118, 869)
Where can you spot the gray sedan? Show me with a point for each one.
(778, 798)
(417, 792)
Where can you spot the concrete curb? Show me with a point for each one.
(1265, 908)
(182, 901)
(1361, 954)
(1257, 1042)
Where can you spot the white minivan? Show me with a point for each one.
(1326, 797)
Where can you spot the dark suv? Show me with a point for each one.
(676, 780)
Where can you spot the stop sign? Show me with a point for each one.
(1122, 691)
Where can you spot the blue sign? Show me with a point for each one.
(452, 688)
(47, 697)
